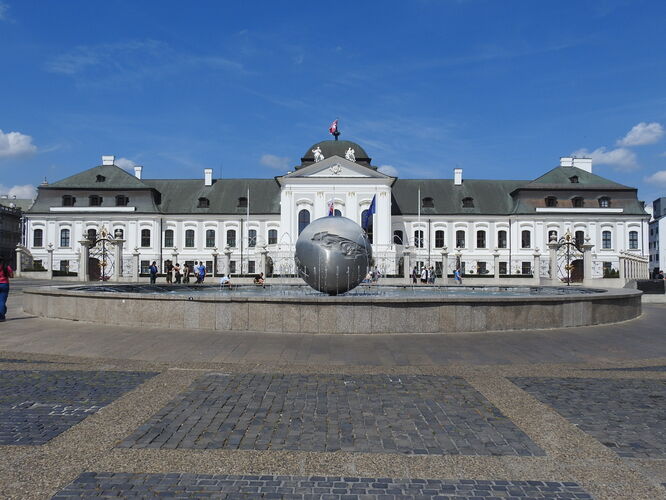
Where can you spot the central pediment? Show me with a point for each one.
(336, 167)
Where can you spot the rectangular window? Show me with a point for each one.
(438, 269)
(579, 238)
(633, 240)
(526, 267)
(501, 239)
(526, 239)
(231, 238)
(480, 239)
(607, 267)
(418, 238)
(502, 268)
(168, 238)
(481, 268)
(64, 266)
(210, 238)
(606, 240)
(460, 239)
(145, 264)
(189, 238)
(272, 236)
(250, 267)
(209, 267)
(252, 238)
(439, 239)
(232, 267)
(145, 238)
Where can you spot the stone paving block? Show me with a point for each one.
(626, 415)
(99, 485)
(410, 414)
(36, 406)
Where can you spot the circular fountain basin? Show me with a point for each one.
(366, 309)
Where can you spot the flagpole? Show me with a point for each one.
(247, 224)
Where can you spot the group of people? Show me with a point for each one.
(373, 275)
(258, 280)
(427, 275)
(175, 273)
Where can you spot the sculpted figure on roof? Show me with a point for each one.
(350, 154)
(318, 156)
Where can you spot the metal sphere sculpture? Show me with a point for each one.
(333, 255)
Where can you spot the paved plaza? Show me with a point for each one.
(93, 411)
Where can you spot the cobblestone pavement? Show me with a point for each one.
(628, 416)
(105, 485)
(366, 413)
(659, 368)
(36, 406)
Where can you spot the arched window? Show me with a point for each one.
(501, 239)
(189, 238)
(633, 240)
(95, 200)
(577, 202)
(210, 238)
(460, 239)
(231, 238)
(366, 223)
(92, 234)
(303, 220)
(551, 201)
(252, 238)
(168, 238)
(606, 241)
(64, 237)
(397, 237)
(468, 202)
(428, 202)
(242, 202)
(604, 202)
(337, 213)
(145, 238)
(579, 238)
(203, 203)
(439, 239)
(68, 200)
(480, 239)
(573, 179)
(526, 239)
(122, 200)
(418, 238)
(272, 236)
(38, 238)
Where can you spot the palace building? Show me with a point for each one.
(247, 226)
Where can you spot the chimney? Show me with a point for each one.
(137, 171)
(208, 176)
(457, 176)
(583, 164)
(108, 160)
(566, 161)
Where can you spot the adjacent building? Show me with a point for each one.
(11, 225)
(246, 226)
(657, 243)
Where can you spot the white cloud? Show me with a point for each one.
(658, 178)
(25, 192)
(125, 164)
(619, 158)
(388, 170)
(272, 161)
(15, 144)
(3, 11)
(641, 134)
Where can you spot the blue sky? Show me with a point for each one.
(499, 88)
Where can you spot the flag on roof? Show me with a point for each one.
(333, 129)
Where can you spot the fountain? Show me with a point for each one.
(333, 256)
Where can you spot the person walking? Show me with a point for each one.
(202, 272)
(415, 275)
(169, 271)
(456, 276)
(424, 276)
(186, 273)
(6, 272)
(176, 273)
(153, 272)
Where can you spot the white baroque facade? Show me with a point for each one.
(246, 226)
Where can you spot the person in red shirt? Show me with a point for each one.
(6, 272)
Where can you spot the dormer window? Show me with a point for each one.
(242, 202)
(604, 202)
(573, 179)
(95, 201)
(101, 178)
(122, 200)
(428, 203)
(468, 202)
(577, 202)
(68, 200)
(203, 203)
(551, 201)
